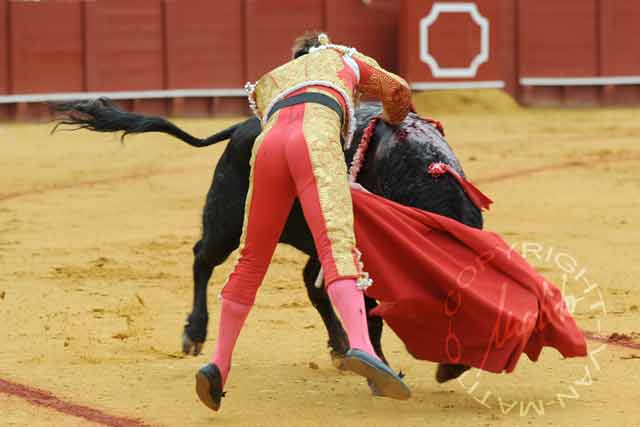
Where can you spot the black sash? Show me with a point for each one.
(315, 97)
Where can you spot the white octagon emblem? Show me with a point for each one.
(479, 59)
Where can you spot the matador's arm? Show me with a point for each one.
(392, 90)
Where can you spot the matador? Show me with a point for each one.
(306, 108)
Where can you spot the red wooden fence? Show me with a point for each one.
(4, 49)
(193, 56)
(582, 51)
(540, 51)
(453, 45)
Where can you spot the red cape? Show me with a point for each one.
(456, 294)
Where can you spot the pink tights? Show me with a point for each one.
(232, 318)
(345, 296)
(348, 301)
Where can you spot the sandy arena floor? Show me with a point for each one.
(95, 282)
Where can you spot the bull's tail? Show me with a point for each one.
(101, 115)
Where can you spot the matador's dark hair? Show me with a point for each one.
(305, 42)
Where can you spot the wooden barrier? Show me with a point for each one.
(6, 110)
(577, 52)
(205, 49)
(619, 46)
(192, 57)
(451, 45)
(558, 40)
(270, 30)
(4, 49)
(372, 29)
(46, 53)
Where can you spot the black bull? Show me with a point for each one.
(395, 167)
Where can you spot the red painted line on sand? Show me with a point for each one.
(619, 342)
(92, 183)
(551, 167)
(48, 400)
(529, 171)
(555, 166)
(177, 171)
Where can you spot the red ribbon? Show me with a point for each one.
(477, 197)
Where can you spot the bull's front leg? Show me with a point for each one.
(375, 325)
(338, 341)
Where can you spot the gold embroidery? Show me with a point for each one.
(323, 65)
(392, 90)
(321, 129)
(314, 68)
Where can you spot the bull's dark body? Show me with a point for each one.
(395, 168)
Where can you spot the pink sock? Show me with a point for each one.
(348, 300)
(232, 318)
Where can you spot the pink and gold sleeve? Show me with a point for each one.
(392, 90)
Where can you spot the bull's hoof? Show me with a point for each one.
(194, 334)
(338, 360)
(189, 346)
(447, 372)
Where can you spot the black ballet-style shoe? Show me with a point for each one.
(209, 386)
(382, 380)
(447, 372)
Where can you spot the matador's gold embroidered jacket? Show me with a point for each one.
(342, 69)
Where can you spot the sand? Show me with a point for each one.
(95, 280)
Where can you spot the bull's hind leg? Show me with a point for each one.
(375, 328)
(338, 341)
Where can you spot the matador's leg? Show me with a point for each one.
(269, 201)
(320, 177)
